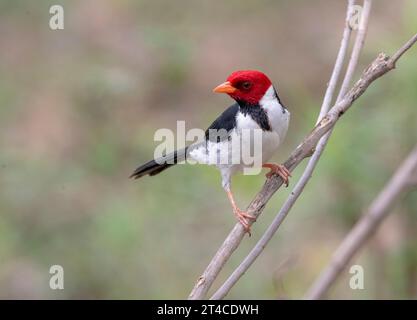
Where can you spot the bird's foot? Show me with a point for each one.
(243, 216)
(279, 170)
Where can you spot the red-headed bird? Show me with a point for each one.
(257, 107)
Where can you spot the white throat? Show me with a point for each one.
(278, 115)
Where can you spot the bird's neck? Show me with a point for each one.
(277, 114)
(270, 98)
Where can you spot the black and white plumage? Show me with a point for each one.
(257, 108)
(269, 116)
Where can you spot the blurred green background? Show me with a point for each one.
(78, 111)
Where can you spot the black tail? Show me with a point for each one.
(154, 167)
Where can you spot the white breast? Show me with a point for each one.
(278, 117)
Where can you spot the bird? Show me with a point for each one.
(257, 107)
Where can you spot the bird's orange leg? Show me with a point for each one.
(240, 215)
(278, 169)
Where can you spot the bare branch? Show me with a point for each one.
(337, 69)
(366, 226)
(267, 236)
(405, 47)
(357, 48)
(381, 65)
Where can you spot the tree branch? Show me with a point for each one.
(366, 226)
(381, 65)
(299, 187)
(357, 48)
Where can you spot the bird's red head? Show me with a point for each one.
(248, 86)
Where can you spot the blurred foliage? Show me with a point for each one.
(78, 110)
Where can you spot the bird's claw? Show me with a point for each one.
(242, 217)
(279, 170)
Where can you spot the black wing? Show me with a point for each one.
(219, 130)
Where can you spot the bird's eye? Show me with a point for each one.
(246, 85)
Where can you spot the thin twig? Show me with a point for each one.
(357, 48)
(400, 52)
(266, 237)
(337, 69)
(366, 226)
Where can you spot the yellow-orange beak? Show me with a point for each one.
(225, 87)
